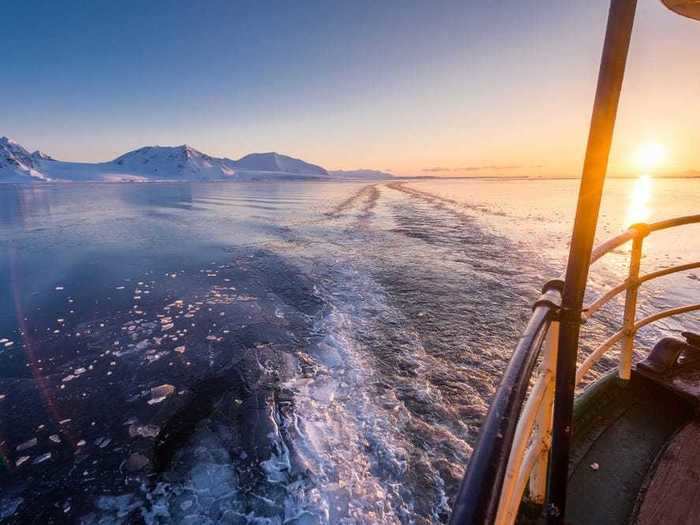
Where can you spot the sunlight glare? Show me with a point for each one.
(649, 156)
(638, 209)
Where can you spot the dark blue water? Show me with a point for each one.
(247, 353)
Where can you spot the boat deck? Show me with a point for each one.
(673, 492)
(636, 449)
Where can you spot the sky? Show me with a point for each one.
(419, 88)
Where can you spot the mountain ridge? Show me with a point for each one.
(153, 163)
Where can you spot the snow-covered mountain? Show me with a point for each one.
(173, 162)
(17, 164)
(153, 163)
(276, 163)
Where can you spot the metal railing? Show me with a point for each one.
(630, 325)
(512, 452)
(478, 500)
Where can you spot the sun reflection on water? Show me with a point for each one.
(638, 209)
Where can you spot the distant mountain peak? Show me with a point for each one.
(17, 164)
(155, 163)
(41, 155)
(273, 162)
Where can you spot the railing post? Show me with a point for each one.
(538, 477)
(612, 69)
(625, 364)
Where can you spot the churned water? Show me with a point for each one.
(271, 353)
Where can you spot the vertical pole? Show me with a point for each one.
(538, 477)
(625, 364)
(610, 75)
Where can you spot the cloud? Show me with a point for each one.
(495, 167)
(435, 170)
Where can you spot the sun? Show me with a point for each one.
(649, 156)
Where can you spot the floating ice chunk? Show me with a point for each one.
(119, 288)
(136, 462)
(167, 326)
(212, 338)
(27, 444)
(102, 442)
(159, 393)
(42, 458)
(155, 357)
(9, 344)
(180, 349)
(21, 460)
(55, 438)
(69, 377)
(2, 396)
(60, 320)
(79, 371)
(81, 443)
(59, 288)
(4, 340)
(146, 431)
(64, 421)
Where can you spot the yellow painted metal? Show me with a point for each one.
(603, 348)
(538, 476)
(625, 364)
(533, 436)
(604, 299)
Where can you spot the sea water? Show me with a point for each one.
(293, 352)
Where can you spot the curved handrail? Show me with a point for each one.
(593, 358)
(480, 491)
(637, 230)
(637, 233)
(512, 447)
(672, 223)
(603, 299)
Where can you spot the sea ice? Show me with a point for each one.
(136, 462)
(42, 458)
(146, 431)
(159, 393)
(27, 444)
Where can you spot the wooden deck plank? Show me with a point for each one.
(673, 494)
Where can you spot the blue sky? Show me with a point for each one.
(389, 85)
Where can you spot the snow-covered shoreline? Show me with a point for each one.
(162, 164)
